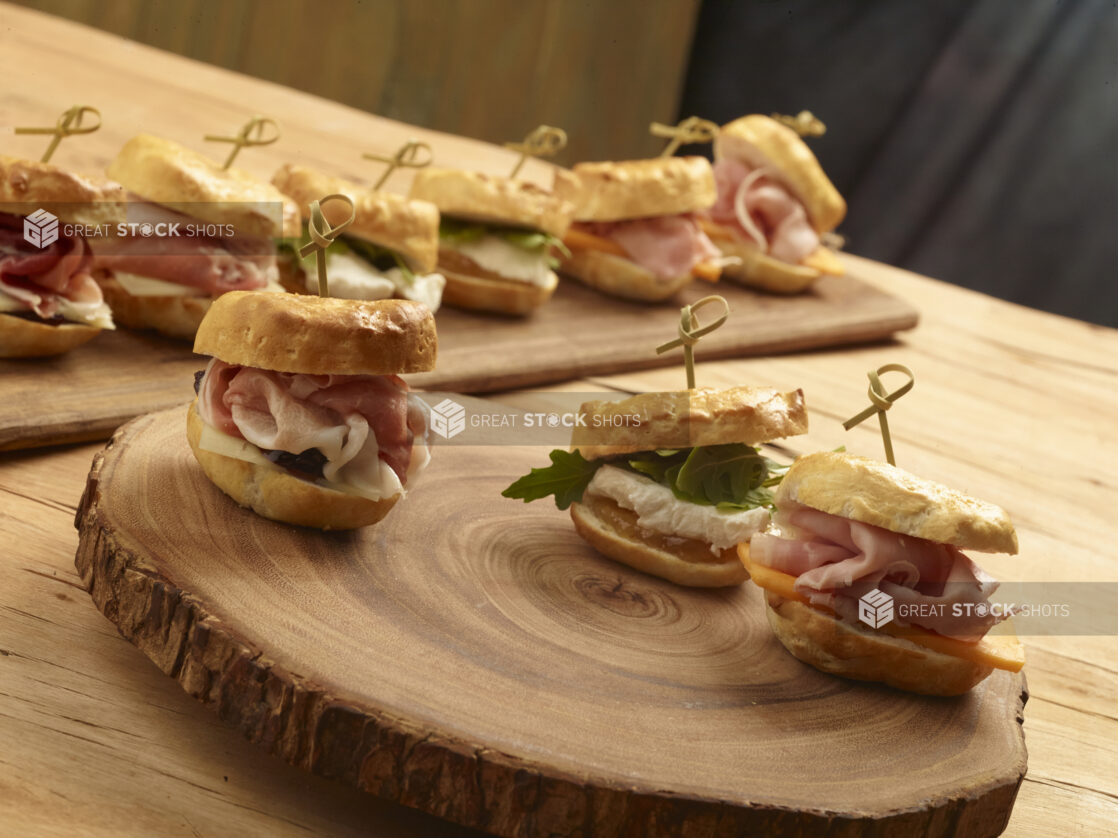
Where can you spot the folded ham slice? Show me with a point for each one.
(211, 265)
(667, 245)
(43, 279)
(836, 561)
(364, 425)
(759, 208)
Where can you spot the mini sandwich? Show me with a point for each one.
(774, 204)
(197, 231)
(301, 415)
(858, 543)
(389, 251)
(496, 239)
(49, 301)
(672, 483)
(636, 234)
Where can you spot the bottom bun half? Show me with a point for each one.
(826, 643)
(620, 277)
(502, 296)
(275, 494)
(626, 547)
(176, 317)
(23, 338)
(759, 270)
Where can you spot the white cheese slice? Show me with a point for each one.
(352, 278)
(495, 254)
(145, 286)
(216, 442)
(659, 510)
(9, 303)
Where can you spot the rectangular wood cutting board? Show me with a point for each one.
(90, 392)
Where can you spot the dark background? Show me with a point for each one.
(974, 141)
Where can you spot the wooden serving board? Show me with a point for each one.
(90, 392)
(471, 657)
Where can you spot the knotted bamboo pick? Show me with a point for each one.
(322, 234)
(69, 123)
(881, 402)
(690, 332)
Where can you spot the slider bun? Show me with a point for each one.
(411, 228)
(491, 199)
(658, 562)
(23, 338)
(689, 418)
(638, 188)
(620, 277)
(758, 140)
(503, 296)
(176, 316)
(85, 201)
(167, 173)
(759, 270)
(885, 496)
(839, 648)
(319, 335)
(280, 496)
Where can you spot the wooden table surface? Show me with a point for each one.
(1012, 405)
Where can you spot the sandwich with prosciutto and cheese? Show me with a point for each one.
(774, 204)
(302, 415)
(49, 301)
(389, 251)
(636, 233)
(497, 239)
(196, 231)
(852, 536)
(672, 483)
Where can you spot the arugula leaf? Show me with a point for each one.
(567, 478)
(380, 257)
(730, 477)
(453, 231)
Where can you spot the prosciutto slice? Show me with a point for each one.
(361, 423)
(836, 561)
(42, 279)
(211, 265)
(667, 245)
(759, 208)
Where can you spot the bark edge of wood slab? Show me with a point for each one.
(431, 762)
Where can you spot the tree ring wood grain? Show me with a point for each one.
(471, 657)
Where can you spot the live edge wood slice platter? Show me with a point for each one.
(471, 657)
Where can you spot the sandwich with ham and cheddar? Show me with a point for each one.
(636, 233)
(388, 252)
(497, 239)
(774, 205)
(674, 491)
(49, 300)
(302, 415)
(196, 231)
(852, 534)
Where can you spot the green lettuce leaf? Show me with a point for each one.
(455, 232)
(566, 478)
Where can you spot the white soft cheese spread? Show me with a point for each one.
(659, 510)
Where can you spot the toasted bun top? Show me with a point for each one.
(688, 418)
(319, 335)
(758, 140)
(638, 188)
(411, 228)
(877, 493)
(77, 199)
(491, 199)
(167, 173)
